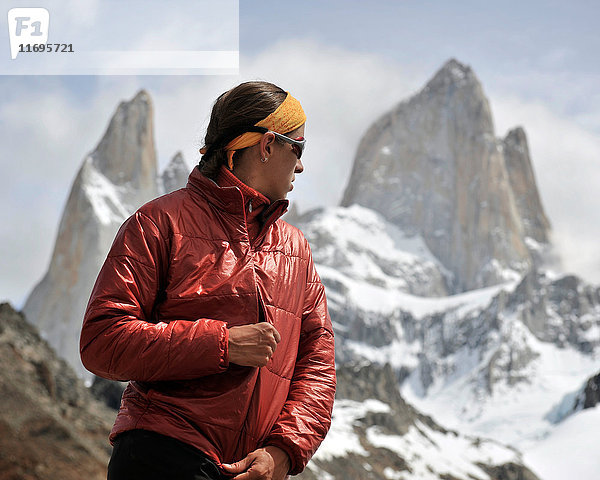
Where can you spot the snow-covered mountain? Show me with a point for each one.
(360, 244)
(113, 181)
(492, 361)
(434, 264)
(376, 435)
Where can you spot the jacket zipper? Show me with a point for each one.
(260, 310)
(262, 317)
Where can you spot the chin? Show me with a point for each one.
(279, 196)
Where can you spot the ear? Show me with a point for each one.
(266, 145)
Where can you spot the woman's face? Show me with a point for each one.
(280, 169)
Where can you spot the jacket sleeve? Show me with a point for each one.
(306, 415)
(119, 340)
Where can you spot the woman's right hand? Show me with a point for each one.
(252, 345)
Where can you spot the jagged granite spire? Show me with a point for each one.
(113, 181)
(126, 155)
(520, 172)
(176, 174)
(433, 167)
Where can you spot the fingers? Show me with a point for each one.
(271, 334)
(268, 329)
(270, 337)
(266, 339)
(263, 358)
(238, 467)
(256, 465)
(242, 468)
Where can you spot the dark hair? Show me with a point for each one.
(238, 108)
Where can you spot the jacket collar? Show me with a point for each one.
(226, 178)
(230, 199)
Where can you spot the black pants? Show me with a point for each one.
(140, 454)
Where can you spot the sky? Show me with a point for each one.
(348, 62)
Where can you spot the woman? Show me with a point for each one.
(210, 306)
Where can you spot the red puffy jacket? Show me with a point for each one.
(181, 270)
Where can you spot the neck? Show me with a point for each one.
(227, 178)
(252, 177)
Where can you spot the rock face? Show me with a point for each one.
(113, 181)
(176, 174)
(433, 167)
(590, 397)
(376, 435)
(523, 186)
(587, 396)
(126, 155)
(564, 311)
(50, 426)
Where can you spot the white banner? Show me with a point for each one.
(110, 37)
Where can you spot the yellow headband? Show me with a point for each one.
(287, 117)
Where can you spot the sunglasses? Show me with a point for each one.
(296, 143)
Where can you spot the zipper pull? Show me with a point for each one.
(250, 206)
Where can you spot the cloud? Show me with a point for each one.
(568, 93)
(206, 25)
(53, 122)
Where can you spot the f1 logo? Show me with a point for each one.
(27, 26)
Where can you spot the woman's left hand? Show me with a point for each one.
(268, 463)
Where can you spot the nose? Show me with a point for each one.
(299, 167)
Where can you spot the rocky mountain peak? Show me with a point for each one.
(142, 96)
(452, 74)
(517, 137)
(434, 167)
(176, 174)
(536, 225)
(126, 155)
(464, 102)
